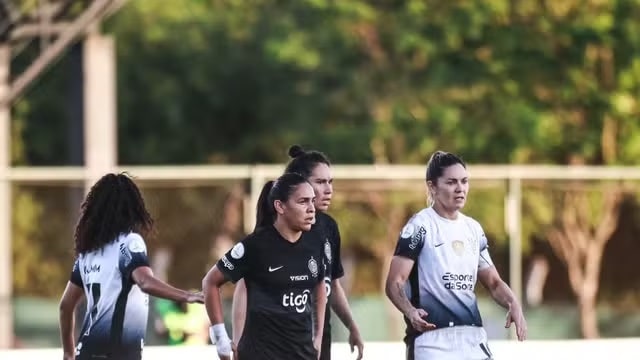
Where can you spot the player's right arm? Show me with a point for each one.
(71, 296)
(149, 284)
(398, 274)
(233, 266)
(136, 263)
(239, 310)
(408, 248)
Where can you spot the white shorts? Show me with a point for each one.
(452, 343)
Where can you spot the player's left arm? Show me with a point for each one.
(70, 299)
(500, 292)
(340, 306)
(503, 295)
(321, 306)
(339, 301)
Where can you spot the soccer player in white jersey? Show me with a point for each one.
(440, 255)
(112, 271)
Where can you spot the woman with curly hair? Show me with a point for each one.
(112, 271)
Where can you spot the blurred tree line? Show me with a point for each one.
(386, 81)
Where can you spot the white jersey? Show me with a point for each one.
(116, 319)
(448, 255)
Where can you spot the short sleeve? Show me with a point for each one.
(326, 268)
(235, 264)
(335, 259)
(133, 254)
(411, 240)
(75, 277)
(485, 259)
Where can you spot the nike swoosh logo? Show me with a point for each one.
(275, 268)
(439, 244)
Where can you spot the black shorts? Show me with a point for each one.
(325, 350)
(127, 356)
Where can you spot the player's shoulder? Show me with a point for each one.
(261, 235)
(326, 228)
(421, 218)
(471, 222)
(325, 220)
(133, 242)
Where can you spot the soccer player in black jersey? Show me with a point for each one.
(112, 271)
(315, 167)
(283, 267)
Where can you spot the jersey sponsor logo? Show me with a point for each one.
(313, 267)
(299, 277)
(454, 281)
(137, 245)
(417, 238)
(227, 263)
(272, 269)
(327, 250)
(126, 255)
(91, 269)
(296, 301)
(237, 251)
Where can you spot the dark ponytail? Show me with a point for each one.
(265, 214)
(281, 189)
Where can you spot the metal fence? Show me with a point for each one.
(255, 176)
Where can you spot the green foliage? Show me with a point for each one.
(37, 271)
(498, 81)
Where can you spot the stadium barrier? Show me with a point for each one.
(618, 349)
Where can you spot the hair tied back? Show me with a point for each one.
(295, 151)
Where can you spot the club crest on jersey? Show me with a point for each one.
(407, 231)
(327, 250)
(136, 245)
(237, 251)
(458, 247)
(313, 267)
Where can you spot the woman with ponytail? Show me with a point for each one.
(315, 167)
(440, 255)
(282, 264)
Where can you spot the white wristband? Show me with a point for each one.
(220, 338)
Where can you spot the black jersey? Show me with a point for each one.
(327, 229)
(280, 277)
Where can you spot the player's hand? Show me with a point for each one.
(417, 318)
(195, 297)
(225, 349)
(234, 350)
(355, 340)
(317, 344)
(68, 357)
(515, 315)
